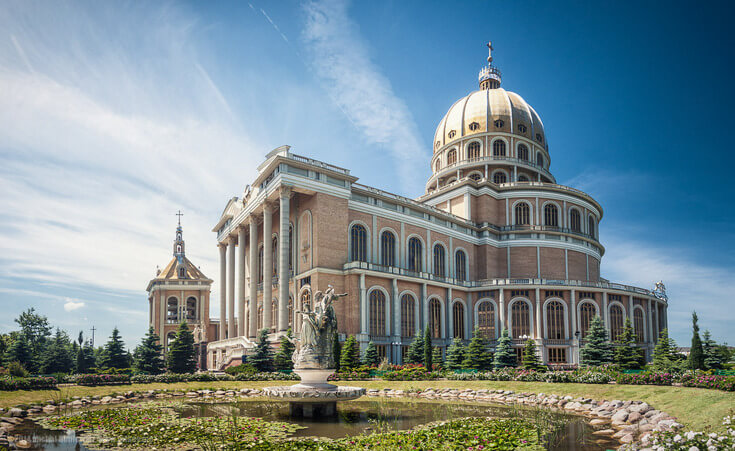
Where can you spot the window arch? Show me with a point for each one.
(575, 222)
(458, 320)
(377, 313)
(415, 252)
(616, 322)
(500, 177)
(182, 272)
(439, 261)
(587, 312)
(387, 249)
(640, 335)
(474, 126)
(172, 309)
(437, 165)
(191, 308)
(358, 247)
(486, 319)
(408, 316)
(435, 318)
(499, 148)
(522, 152)
(551, 215)
(520, 319)
(476, 176)
(555, 320)
(451, 157)
(460, 265)
(591, 226)
(522, 213)
(473, 150)
(540, 160)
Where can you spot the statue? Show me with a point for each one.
(660, 291)
(315, 343)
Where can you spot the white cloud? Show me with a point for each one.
(340, 59)
(73, 304)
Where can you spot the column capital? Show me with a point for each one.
(285, 191)
(267, 208)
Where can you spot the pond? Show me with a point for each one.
(360, 417)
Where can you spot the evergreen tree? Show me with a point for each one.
(416, 350)
(181, 356)
(350, 357)
(147, 357)
(436, 357)
(371, 355)
(709, 349)
(428, 349)
(19, 351)
(724, 353)
(478, 353)
(628, 356)
(696, 353)
(37, 331)
(336, 350)
(664, 354)
(114, 355)
(505, 355)
(283, 360)
(57, 357)
(262, 357)
(455, 354)
(531, 360)
(597, 350)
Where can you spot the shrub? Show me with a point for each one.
(9, 383)
(17, 369)
(98, 379)
(244, 368)
(418, 373)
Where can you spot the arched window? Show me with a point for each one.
(377, 313)
(439, 265)
(458, 320)
(460, 265)
(274, 256)
(586, 314)
(414, 255)
(523, 214)
(475, 176)
(499, 177)
(451, 157)
(435, 318)
(522, 152)
(574, 220)
(551, 215)
(387, 249)
(408, 316)
(358, 250)
(499, 123)
(616, 322)
(260, 264)
(474, 126)
(172, 309)
(437, 165)
(521, 128)
(486, 319)
(452, 133)
(555, 320)
(591, 226)
(473, 150)
(640, 335)
(499, 148)
(540, 160)
(191, 309)
(182, 273)
(521, 318)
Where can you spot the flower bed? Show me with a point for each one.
(645, 379)
(98, 379)
(418, 373)
(9, 383)
(169, 378)
(514, 374)
(673, 440)
(726, 383)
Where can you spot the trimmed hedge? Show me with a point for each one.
(9, 383)
(98, 379)
(168, 378)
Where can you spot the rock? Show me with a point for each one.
(76, 403)
(598, 421)
(627, 438)
(22, 444)
(634, 417)
(620, 416)
(604, 432)
(17, 413)
(49, 408)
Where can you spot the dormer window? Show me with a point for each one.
(452, 134)
(474, 126)
(539, 138)
(521, 128)
(182, 273)
(438, 143)
(499, 123)
(178, 248)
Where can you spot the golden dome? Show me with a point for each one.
(490, 111)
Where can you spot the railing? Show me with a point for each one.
(318, 163)
(471, 161)
(557, 342)
(544, 228)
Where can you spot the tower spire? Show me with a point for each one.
(179, 241)
(489, 75)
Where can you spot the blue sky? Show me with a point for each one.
(115, 115)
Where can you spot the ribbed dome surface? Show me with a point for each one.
(490, 110)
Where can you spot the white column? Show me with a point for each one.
(573, 329)
(162, 319)
(231, 326)
(425, 303)
(283, 247)
(604, 310)
(649, 318)
(267, 267)
(240, 282)
(363, 307)
(222, 290)
(539, 318)
(630, 310)
(253, 302)
(501, 300)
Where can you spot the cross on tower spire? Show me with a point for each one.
(489, 51)
(179, 214)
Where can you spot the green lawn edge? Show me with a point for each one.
(698, 409)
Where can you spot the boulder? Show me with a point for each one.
(620, 416)
(17, 413)
(634, 417)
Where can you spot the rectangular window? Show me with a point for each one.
(557, 355)
(381, 351)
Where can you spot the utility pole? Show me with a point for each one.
(93, 329)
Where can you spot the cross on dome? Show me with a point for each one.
(489, 76)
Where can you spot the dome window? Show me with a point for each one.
(474, 126)
(438, 143)
(499, 123)
(437, 165)
(539, 138)
(540, 160)
(499, 148)
(451, 157)
(521, 128)
(499, 177)
(452, 134)
(475, 176)
(522, 152)
(473, 150)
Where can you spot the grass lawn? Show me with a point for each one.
(696, 408)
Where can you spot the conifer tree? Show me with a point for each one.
(696, 354)
(478, 355)
(436, 357)
(283, 360)
(262, 357)
(336, 350)
(428, 349)
(531, 360)
(664, 354)
(505, 355)
(597, 350)
(114, 355)
(181, 356)
(371, 355)
(455, 354)
(37, 332)
(416, 349)
(709, 350)
(57, 357)
(350, 358)
(147, 357)
(19, 351)
(628, 356)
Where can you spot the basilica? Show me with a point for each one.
(493, 243)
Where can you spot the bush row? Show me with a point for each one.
(9, 383)
(97, 379)
(514, 374)
(168, 378)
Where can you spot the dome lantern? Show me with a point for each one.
(489, 76)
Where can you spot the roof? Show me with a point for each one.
(170, 271)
